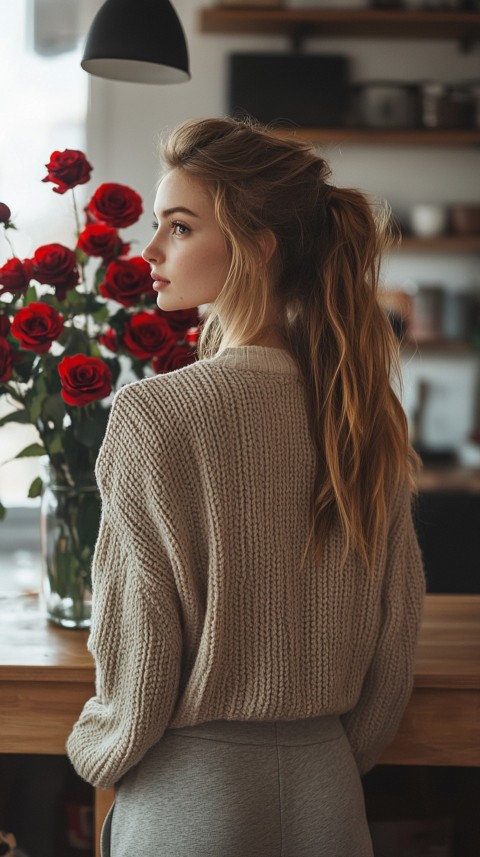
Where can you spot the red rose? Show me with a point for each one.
(84, 379)
(98, 239)
(181, 319)
(179, 356)
(4, 324)
(56, 265)
(191, 336)
(15, 276)
(36, 326)
(126, 280)
(109, 340)
(115, 204)
(6, 360)
(5, 213)
(147, 335)
(67, 169)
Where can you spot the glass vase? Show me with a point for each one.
(69, 523)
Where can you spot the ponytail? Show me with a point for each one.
(349, 357)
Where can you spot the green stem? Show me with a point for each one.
(7, 239)
(75, 211)
(82, 267)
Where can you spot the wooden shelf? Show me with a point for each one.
(439, 348)
(384, 136)
(442, 244)
(355, 23)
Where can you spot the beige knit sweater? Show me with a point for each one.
(201, 611)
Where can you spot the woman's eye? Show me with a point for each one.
(155, 224)
(179, 228)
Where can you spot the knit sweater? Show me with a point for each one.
(201, 610)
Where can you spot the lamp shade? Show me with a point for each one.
(137, 40)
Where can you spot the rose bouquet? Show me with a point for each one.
(71, 322)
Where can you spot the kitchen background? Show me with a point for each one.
(49, 103)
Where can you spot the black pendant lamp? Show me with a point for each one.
(141, 41)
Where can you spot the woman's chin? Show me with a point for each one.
(171, 305)
(167, 305)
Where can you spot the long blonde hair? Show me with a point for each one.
(329, 242)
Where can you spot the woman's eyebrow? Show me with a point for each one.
(180, 208)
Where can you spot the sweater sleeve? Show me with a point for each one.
(135, 634)
(372, 724)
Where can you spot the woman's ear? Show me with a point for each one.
(269, 243)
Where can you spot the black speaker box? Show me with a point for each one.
(306, 89)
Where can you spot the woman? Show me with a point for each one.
(257, 580)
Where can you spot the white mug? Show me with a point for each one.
(426, 221)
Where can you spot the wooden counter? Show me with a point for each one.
(46, 675)
(441, 725)
(449, 477)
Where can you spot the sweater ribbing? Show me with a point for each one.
(201, 611)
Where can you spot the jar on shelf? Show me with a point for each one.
(427, 313)
(446, 106)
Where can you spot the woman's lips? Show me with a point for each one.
(160, 284)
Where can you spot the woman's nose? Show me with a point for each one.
(152, 252)
(147, 253)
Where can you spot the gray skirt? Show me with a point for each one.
(242, 789)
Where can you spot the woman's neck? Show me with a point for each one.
(266, 340)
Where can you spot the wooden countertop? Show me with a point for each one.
(32, 649)
(449, 477)
(448, 654)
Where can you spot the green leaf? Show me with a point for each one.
(3, 512)
(35, 489)
(30, 451)
(36, 398)
(101, 315)
(53, 301)
(15, 417)
(77, 342)
(82, 257)
(74, 300)
(30, 296)
(99, 276)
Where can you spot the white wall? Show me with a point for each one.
(126, 119)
